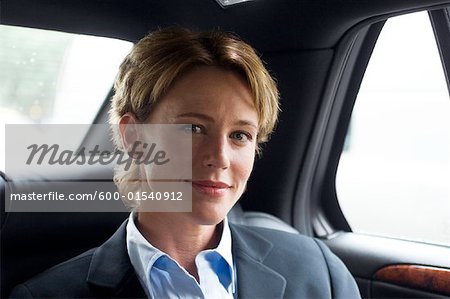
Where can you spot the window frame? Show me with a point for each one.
(440, 22)
(325, 216)
(316, 206)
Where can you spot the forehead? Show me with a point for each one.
(217, 77)
(221, 94)
(211, 85)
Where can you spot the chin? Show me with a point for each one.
(209, 214)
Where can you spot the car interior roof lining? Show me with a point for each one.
(293, 26)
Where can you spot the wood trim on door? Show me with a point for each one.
(428, 278)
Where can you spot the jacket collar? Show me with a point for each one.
(255, 279)
(111, 267)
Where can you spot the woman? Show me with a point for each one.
(217, 83)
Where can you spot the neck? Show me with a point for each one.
(181, 240)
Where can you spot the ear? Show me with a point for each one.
(128, 131)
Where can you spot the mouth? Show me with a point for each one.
(211, 188)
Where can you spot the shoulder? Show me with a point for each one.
(105, 272)
(303, 261)
(281, 241)
(68, 277)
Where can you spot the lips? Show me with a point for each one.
(211, 188)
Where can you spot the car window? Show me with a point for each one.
(51, 77)
(394, 172)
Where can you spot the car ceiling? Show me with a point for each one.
(269, 25)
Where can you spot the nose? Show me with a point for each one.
(216, 153)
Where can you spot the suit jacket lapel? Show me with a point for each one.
(111, 270)
(254, 278)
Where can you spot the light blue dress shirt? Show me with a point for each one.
(163, 277)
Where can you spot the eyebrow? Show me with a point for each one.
(210, 119)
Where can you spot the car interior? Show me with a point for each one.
(318, 51)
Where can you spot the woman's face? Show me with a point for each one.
(219, 105)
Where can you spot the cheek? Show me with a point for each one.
(197, 151)
(243, 165)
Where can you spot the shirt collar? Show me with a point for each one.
(226, 251)
(143, 254)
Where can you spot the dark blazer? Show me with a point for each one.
(270, 264)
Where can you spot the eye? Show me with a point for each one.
(241, 136)
(192, 129)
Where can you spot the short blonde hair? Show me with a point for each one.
(161, 57)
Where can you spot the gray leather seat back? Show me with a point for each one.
(259, 219)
